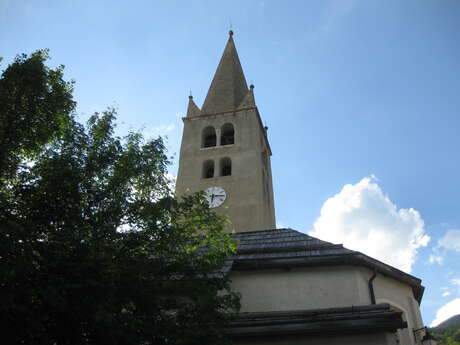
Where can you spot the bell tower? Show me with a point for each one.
(225, 150)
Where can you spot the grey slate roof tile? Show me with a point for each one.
(283, 243)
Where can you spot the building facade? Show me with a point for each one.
(295, 289)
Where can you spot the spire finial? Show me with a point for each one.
(230, 33)
(251, 86)
(192, 109)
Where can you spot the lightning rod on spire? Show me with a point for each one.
(230, 31)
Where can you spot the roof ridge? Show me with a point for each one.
(280, 230)
(269, 249)
(256, 231)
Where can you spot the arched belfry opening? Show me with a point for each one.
(225, 166)
(208, 137)
(228, 134)
(208, 169)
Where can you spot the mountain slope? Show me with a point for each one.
(448, 332)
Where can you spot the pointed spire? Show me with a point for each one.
(228, 87)
(192, 109)
(248, 100)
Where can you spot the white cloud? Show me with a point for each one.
(456, 281)
(436, 259)
(364, 219)
(165, 128)
(446, 293)
(446, 311)
(161, 130)
(451, 240)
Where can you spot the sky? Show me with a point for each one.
(361, 99)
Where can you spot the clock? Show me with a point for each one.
(215, 196)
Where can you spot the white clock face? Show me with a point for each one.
(215, 196)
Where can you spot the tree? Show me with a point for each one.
(94, 249)
(35, 103)
(448, 335)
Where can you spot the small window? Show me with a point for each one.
(208, 169)
(225, 167)
(209, 138)
(228, 134)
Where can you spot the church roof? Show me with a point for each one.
(288, 248)
(280, 243)
(228, 87)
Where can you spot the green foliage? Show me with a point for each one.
(35, 103)
(94, 249)
(448, 332)
(449, 338)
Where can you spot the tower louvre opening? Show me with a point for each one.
(225, 166)
(228, 134)
(208, 169)
(209, 137)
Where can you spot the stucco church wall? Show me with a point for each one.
(300, 288)
(400, 297)
(361, 339)
(325, 287)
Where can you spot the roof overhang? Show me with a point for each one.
(326, 321)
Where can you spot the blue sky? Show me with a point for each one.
(361, 99)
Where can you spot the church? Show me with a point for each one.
(295, 289)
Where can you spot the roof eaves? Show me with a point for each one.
(341, 320)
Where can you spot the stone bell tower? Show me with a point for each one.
(225, 150)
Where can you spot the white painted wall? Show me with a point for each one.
(400, 296)
(325, 287)
(301, 288)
